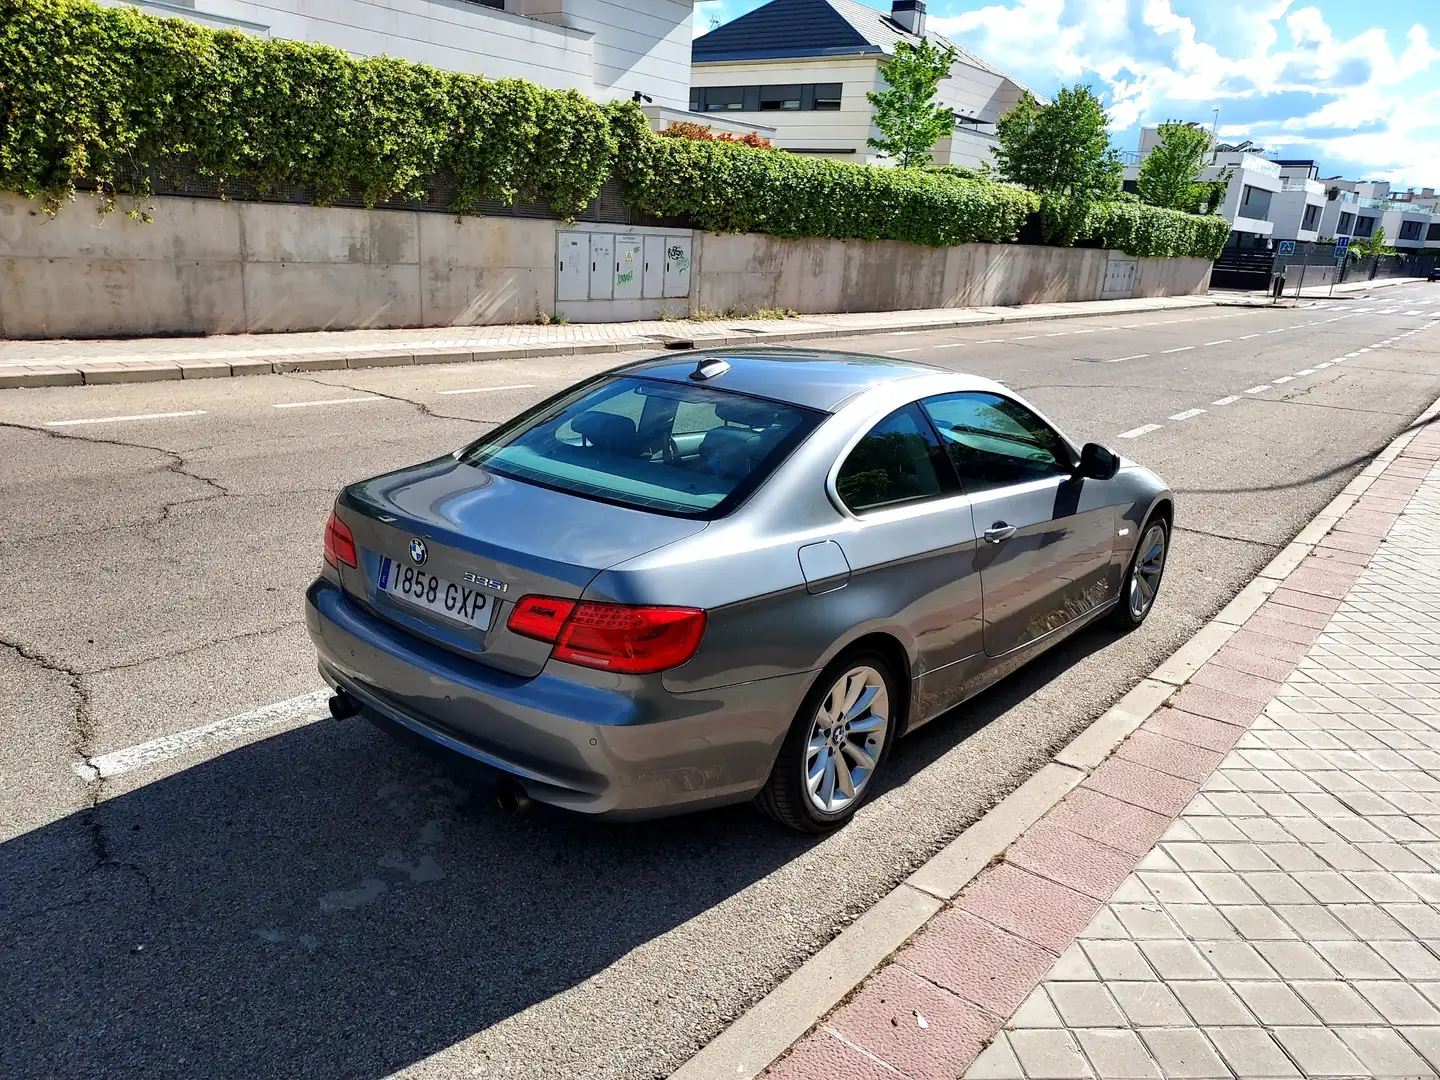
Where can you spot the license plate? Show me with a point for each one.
(414, 586)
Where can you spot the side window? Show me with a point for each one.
(894, 463)
(994, 441)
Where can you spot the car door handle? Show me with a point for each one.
(999, 532)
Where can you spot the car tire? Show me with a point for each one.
(1140, 586)
(831, 741)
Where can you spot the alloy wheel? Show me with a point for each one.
(846, 738)
(1146, 573)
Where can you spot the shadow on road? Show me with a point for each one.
(328, 903)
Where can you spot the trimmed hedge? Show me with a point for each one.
(88, 92)
(85, 89)
(1137, 229)
(728, 188)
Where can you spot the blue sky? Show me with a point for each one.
(1354, 86)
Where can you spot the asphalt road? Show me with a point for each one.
(310, 899)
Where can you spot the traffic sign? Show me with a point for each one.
(1342, 245)
(1287, 247)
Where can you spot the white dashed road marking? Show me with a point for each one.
(1226, 400)
(1247, 337)
(325, 401)
(1187, 414)
(1222, 341)
(1285, 379)
(1137, 356)
(1182, 348)
(124, 419)
(305, 709)
(1258, 389)
(1145, 429)
(489, 389)
(1306, 371)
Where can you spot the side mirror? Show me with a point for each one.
(1097, 462)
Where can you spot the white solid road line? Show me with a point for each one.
(1187, 414)
(490, 389)
(326, 401)
(303, 709)
(124, 419)
(1226, 400)
(1135, 433)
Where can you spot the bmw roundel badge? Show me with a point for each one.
(417, 551)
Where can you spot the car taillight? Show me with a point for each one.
(634, 639)
(339, 543)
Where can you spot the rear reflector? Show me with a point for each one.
(613, 637)
(339, 543)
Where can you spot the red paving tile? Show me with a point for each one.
(1238, 683)
(1326, 605)
(821, 1056)
(1113, 823)
(1399, 488)
(1252, 663)
(1142, 786)
(1217, 704)
(1328, 580)
(1374, 504)
(1339, 558)
(1075, 861)
(1369, 521)
(884, 1019)
(1316, 620)
(1187, 727)
(1303, 636)
(1360, 543)
(1261, 644)
(980, 962)
(1182, 759)
(1033, 907)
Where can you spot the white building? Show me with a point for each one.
(803, 67)
(1298, 211)
(605, 50)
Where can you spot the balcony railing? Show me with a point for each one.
(1298, 184)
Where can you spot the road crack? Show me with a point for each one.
(425, 410)
(82, 746)
(1226, 536)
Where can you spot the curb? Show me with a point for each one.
(100, 372)
(798, 1004)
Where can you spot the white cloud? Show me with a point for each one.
(1277, 70)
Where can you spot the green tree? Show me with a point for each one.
(1059, 149)
(1373, 244)
(905, 111)
(1170, 173)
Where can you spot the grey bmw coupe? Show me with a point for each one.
(726, 575)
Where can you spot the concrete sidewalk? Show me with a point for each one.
(71, 362)
(1247, 885)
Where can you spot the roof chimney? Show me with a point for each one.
(910, 14)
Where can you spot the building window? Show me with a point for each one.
(1410, 230)
(1364, 226)
(1347, 224)
(1434, 233)
(1312, 218)
(1255, 203)
(792, 97)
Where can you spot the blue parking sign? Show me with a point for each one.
(1287, 247)
(1342, 245)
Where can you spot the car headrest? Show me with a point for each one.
(752, 414)
(608, 431)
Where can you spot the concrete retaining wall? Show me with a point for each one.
(206, 267)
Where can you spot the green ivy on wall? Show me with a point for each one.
(89, 93)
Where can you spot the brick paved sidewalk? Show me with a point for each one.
(1249, 886)
(65, 362)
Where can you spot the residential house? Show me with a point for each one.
(605, 50)
(1251, 196)
(1298, 210)
(803, 68)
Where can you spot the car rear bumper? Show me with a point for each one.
(588, 741)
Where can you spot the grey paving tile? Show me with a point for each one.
(1382, 1051)
(1421, 920)
(1410, 958)
(1236, 960)
(1294, 959)
(1382, 886)
(1426, 1040)
(1255, 922)
(1149, 1004)
(1354, 960)
(1118, 960)
(1184, 1052)
(1318, 1051)
(1369, 922)
(1336, 1002)
(1398, 1002)
(1172, 888)
(1313, 922)
(1224, 888)
(1212, 1004)
(1176, 959)
(1072, 966)
(1117, 1054)
(1278, 888)
(1193, 857)
(1201, 922)
(1274, 1003)
(1050, 1055)
(996, 1062)
(1251, 1051)
(1330, 887)
(1146, 921)
(1037, 1011)
(1084, 1004)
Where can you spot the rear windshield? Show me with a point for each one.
(690, 451)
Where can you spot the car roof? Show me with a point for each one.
(814, 378)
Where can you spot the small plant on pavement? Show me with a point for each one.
(909, 120)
